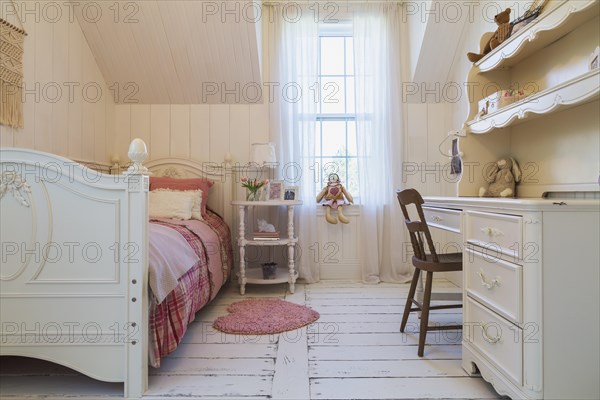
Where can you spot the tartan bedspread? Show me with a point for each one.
(169, 319)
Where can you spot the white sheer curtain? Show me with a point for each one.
(378, 31)
(293, 76)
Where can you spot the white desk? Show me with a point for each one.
(531, 292)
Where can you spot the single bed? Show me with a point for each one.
(76, 283)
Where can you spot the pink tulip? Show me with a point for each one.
(265, 181)
(244, 179)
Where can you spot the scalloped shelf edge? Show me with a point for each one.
(553, 24)
(556, 97)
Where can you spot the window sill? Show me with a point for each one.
(349, 210)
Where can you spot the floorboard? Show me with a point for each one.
(355, 350)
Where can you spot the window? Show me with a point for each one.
(336, 118)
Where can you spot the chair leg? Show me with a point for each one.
(425, 313)
(409, 299)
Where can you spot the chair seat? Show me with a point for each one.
(447, 262)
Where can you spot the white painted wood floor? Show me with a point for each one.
(354, 351)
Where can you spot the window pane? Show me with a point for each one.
(334, 138)
(334, 165)
(352, 150)
(350, 96)
(332, 56)
(349, 56)
(318, 139)
(332, 95)
(336, 150)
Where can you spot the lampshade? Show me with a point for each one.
(263, 154)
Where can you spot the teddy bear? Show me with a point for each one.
(502, 177)
(335, 196)
(493, 41)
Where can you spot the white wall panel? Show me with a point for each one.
(416, 135)
(60, 109)
(75, 68)
(122, 131)
(199, 132)
(219, 132)
(180, 131)
(239, 132)
(89, 98)
(6, 136)
(160, 130)
(56, 57)
(43, 83)
(195, 131)
(259, 122)
(140, 124)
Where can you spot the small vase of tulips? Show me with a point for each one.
(253, 188)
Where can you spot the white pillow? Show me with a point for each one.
(196, 197)
(168, 204)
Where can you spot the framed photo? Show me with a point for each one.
(291, 193)
(275, 190)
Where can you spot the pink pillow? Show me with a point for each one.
(164, 182)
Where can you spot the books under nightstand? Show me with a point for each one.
(258, 235)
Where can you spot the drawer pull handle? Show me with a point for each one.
(492, 232)
(436, 218)
(484, 282)
(487, 336)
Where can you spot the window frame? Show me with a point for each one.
(341, 30)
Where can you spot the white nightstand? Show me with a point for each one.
(255, 275)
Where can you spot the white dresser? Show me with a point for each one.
(531, 292)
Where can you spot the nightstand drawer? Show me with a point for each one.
(496, 283)
(443, 218)
(495, 338)
(497, 234)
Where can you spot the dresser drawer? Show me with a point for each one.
(496, 283)
(497, 234)
(443, 218)
(495, 338)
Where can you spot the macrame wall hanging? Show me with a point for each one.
(12, 39)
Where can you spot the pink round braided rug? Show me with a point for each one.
(264, 316)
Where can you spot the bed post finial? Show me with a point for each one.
(138, 153)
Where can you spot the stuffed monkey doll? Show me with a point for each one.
(335, 196)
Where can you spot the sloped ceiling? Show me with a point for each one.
(175, 51)
(440, 44)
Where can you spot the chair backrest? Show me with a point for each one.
(416, 229)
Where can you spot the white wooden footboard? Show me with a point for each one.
(73, 276)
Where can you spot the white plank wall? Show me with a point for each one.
(76, 124)
(192, 131)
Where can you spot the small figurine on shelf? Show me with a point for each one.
(264, 226)
(335, 196)
(489, 41)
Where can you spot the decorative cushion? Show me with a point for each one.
(196, 204)
(183, 184)
(171, 204)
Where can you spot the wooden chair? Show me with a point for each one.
(429, 263)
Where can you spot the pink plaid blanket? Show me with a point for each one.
(170, 318)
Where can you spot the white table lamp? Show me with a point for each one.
(263, 154)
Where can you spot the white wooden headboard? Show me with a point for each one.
(220, 197)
